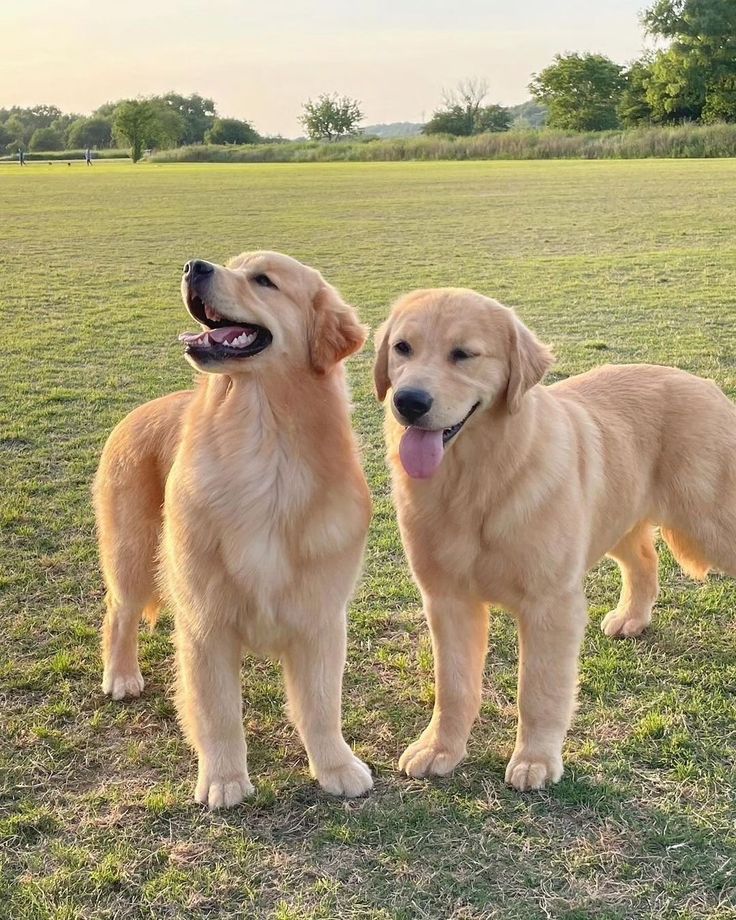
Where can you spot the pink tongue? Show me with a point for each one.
(220, 335)
(421, 452)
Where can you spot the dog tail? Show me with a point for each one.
(151, 612)
(687, 553)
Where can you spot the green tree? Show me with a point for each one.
(168, 128)
(46, 139)
(106, 110)
(492, 118)
(231, 131)
(454, 120)
(581, 91)
(464, 112)
(63, 123)
(19, 135)
(720, 102)
(5, 136)
(707, 27)
(460, 109)
(331, 116)
(135, 120)
(23, 122)
(197, 112)
(696, 76)
(676, 87)
(459, 122)
(40, 116)
(633, 106)
(95, 131)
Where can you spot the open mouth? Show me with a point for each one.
(223, 338)
(449, 433)
(421, 449)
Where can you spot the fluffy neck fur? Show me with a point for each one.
(267, 415)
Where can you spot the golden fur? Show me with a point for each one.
(538, 484)
(251, 490)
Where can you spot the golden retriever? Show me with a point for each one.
(250, 491)
(507, 492)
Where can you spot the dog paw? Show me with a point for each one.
(219, 792)
(529, 770)
(429, 757)
(350, 779)
(622, 624)
(122, 684)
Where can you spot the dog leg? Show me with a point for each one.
(637, 559)
(313, 669)
(209, 703)
(459, 629)
(550, 634)
(121, 675)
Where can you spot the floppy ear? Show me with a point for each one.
(381, 382)
(336, 330)
(529, 361)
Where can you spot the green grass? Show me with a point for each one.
(609, 261)
(686, 141)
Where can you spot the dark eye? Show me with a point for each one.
(264, 281)
(459, 354)
(403, 348)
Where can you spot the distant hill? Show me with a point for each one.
(395, 129)
(528, 114)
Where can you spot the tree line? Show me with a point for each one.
(693, 79)
(171, 120)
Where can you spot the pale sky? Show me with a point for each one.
(260, 61)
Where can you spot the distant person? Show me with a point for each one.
(88, 157)
(21, 156)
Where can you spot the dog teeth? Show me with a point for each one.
(242, 341)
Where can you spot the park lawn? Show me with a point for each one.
(618, 261)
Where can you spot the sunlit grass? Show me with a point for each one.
(614, 261)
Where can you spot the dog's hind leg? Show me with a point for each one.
(122, 675)
(637, 559)
(129, 524)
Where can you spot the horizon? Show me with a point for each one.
(397, 63)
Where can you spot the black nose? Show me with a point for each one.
(197, 268)
(412, 404)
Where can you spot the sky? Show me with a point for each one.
(260, 61)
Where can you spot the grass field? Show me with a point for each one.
(609, 261)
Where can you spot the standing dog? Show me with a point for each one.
(250, 489)
(508, 492)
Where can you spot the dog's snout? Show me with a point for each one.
(197, 268)
(412, 403)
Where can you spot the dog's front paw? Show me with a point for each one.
(624, 624)
(428, 756)
(220, 792)
(120, 683)
(529, 769)
(349, 779)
